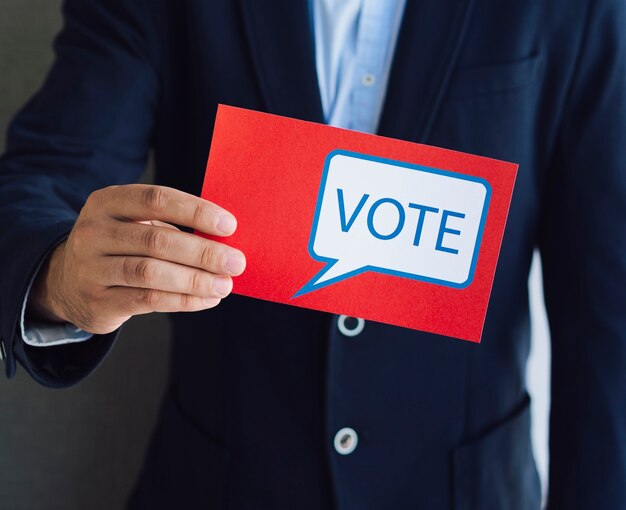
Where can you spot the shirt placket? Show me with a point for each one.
(371, 51)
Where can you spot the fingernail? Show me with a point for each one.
(226, 224)
(235, 263)
(222, 286)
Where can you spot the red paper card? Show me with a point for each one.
(358, 224)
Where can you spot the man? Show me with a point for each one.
(280, 407)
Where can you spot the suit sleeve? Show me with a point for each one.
(583, 247)
(88, 127)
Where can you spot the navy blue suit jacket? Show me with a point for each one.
(253, 405)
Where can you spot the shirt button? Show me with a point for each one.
(368, 79)
(350, 326)
(345, 441)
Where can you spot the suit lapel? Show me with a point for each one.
(281, 43)
(431, 34)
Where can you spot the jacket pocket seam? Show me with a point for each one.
(495, 80)
(497, 467)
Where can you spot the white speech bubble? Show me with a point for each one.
(396, 218)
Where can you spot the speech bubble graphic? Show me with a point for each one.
(395, 218)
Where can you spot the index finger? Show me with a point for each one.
(142, 202)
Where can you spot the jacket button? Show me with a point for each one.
(350, 326)
(346, 440)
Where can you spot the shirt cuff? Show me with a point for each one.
(46, 334)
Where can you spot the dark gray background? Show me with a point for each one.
(79, 448)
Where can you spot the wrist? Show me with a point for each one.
(43, 303)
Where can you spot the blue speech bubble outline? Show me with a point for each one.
(310, 286)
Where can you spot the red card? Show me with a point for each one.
(360, 225)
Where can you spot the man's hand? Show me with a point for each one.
(124, 258)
